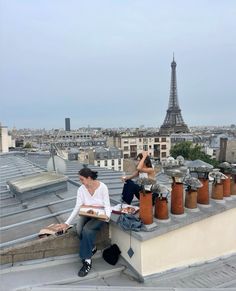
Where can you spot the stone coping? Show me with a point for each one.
(174, 222)
(50, 246)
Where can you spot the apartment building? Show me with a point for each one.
(227, 151)
(4, 140)
(110, 158)
(158, 147)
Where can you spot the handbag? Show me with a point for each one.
(129, 222)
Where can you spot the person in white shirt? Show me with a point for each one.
(91, 192)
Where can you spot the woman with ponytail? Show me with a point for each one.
(91, 192)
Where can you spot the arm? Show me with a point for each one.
(135, 174)
(106, 202)
(144, 169)
(76, 208)
(141, 163)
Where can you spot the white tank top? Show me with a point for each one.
(143, 175)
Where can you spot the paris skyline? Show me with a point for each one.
(108, 63)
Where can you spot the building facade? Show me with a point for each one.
(227, 152)
(158, 147)
(67, 124)
(4, 140)
(110, 158)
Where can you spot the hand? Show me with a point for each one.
(106, 218)
(63, 227)
(145, 154)
(123, 178)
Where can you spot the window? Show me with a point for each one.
(163, 154)
(126, 156)
(126, 148)
(156, 139)
(163, 146)
(119, 162)
(133, 148)
(133, 154)
(105, 163)
(163, 139)
(112, 162)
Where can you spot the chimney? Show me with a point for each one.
(233, 185)
(177, 199)
(203, 192)
(223, 147)
(226, 169)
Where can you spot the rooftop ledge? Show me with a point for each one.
(193, 238)
(160, 227)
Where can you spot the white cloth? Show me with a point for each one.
(143, 175)
(99, 198)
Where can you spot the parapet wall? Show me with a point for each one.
(49, 247)
(192, 242)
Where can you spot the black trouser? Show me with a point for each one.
(129, 190)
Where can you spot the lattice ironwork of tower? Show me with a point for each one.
(173, 122)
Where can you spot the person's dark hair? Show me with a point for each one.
(147, 161)
(86, 172)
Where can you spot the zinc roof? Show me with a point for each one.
(21, 222)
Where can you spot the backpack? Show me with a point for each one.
(111, 254)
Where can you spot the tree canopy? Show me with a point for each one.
(28, 145)
(191, 152)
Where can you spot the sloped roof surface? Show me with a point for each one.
(21, 222)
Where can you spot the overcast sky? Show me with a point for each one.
(107, 62)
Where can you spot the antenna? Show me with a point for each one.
(57, 161)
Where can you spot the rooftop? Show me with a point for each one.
(60, 273)
(21, 221)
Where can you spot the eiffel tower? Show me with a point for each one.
(173, 122)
